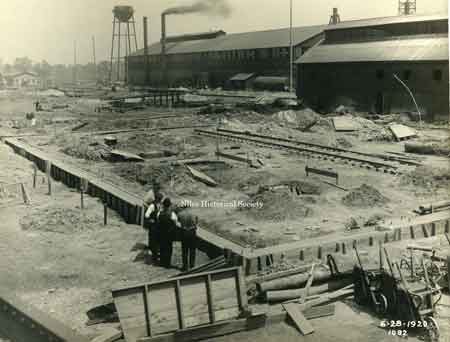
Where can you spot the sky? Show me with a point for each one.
(47, 29)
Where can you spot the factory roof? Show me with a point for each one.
(239, 41)
(241, 77)
(433, 48)
(387, 21)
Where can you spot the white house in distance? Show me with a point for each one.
(23, 80)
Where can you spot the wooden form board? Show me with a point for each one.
(302, 324)
(345, 124)
(201, 177)
(180, 303)
(402, 131)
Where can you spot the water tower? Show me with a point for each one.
(123, 37)
(406, 7)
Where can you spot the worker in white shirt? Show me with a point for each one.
(168, 225)
(151, 225)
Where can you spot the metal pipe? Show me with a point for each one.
(412, 96)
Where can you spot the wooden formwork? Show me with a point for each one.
(130, 207)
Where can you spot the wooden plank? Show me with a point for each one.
(345, 124)
(178, 298)
(111, 335)
(201, 177)
(308, 285)
(210, 331)
(126, 156)
(147, 311)
(402, 131)
(212, 317)
(319, 311)
(190, 306)
(300, 321)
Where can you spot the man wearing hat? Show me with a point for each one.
(151, 224)
(168, 224)
(188, 229)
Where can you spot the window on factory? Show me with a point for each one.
(380, 74)
(406, 75)
(437, 74)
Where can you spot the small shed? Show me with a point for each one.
(271, 83)
(241, 81)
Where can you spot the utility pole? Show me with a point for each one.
(291, 54)
(93, 55)
(74, 61)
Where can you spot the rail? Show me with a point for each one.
(271, 142)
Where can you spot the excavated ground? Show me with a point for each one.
(61, 272)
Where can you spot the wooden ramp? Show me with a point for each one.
(177, 304)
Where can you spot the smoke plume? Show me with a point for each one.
(214, 7)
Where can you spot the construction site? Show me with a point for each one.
(315, 159)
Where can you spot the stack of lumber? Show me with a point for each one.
(215, 264)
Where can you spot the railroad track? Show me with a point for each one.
(308, 150)
(324, 147)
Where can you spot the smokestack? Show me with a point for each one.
(163, 34)
(147, 69)
(163, 49)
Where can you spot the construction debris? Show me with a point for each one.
(200, 176)
(402, 132)
(345, 124)
(364, 196)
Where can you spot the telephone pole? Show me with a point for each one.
(94, 57)
(291, 54)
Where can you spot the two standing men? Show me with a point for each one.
(164, 226)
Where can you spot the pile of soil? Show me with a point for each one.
(364, 196)
(173, 179)
(300, 118)
(427, 178)
(370, 131)
(60, 220)
(80, 147)
(278, 206)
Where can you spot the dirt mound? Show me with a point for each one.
(364, 196)
(279, 205)
(427, 178)
(301, 118)
(370, 131)
(80, 147)
(173, 179)
(60, 220)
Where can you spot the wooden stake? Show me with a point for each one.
(49, 181)
(81, 197)
(34, 175)
(26, 198)
(105, 214)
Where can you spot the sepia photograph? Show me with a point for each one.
(224, 171)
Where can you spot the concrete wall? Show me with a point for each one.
(371, 87)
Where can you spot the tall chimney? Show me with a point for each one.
(163, 50)
(146, 58)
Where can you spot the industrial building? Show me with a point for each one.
(356, 62)
(213, 58)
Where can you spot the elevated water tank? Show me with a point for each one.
(123, 13)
